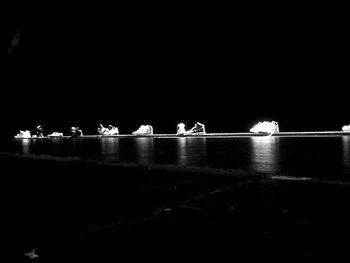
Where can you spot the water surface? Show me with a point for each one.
(316, 157)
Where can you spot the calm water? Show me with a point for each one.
(317, 157)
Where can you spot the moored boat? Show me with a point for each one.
(210, 135)
(346, 128)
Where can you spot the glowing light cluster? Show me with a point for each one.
(265, 127)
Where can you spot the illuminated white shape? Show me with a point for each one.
(181, 129)
(265, 127)
(101, 130)
(23, 134)
(346, 128)
(32, 254)
(198, 129)
(56, 134)
(111, 130)
(144, 130)
(76, 131)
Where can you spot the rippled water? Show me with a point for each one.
(318, 157)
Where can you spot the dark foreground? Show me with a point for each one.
(74, 210)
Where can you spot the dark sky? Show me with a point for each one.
(225, 66)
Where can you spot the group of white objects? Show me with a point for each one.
(269, 127)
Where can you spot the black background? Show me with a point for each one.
(225, 66)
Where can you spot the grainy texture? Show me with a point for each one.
(75, 210)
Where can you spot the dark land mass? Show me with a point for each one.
(73, 210)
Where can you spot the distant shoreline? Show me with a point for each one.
(208, 135)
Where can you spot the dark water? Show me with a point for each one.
(315, 157)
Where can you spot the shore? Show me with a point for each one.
(206, 135)
(77, 210)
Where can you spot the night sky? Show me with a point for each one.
(227, 67)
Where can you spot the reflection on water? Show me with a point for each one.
(77, 146)
(346, 152)
(265, 154)
(144, 150)
(191, 151)
(56, 146)
(110, 149)
(25, 145)
(311, 156)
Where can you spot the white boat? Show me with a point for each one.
(23, 134)
(346, 128)
(268, 127)
(198, 129)
(144, 130)
(55, 134)
(213, 135)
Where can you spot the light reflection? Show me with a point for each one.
(265, 154)
(191, 151)
(110, 149)
(25, 143)
(76, 145)
(144, 150)
(346, 153)
(56, 146)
